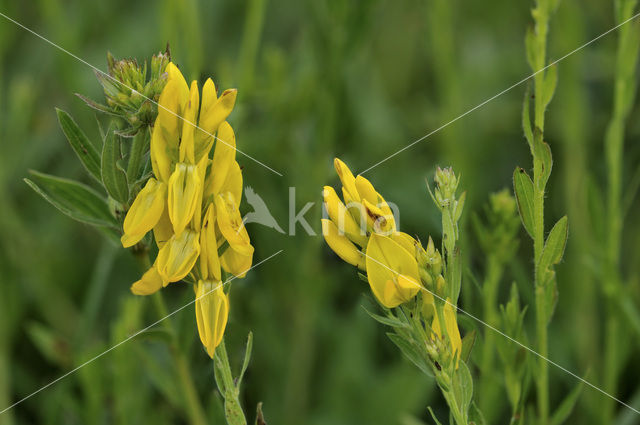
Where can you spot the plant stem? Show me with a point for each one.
(231, 393)
(623, 99)
(541, 18)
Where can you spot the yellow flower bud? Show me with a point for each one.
(233, 182)
(212, 311)
(366, 190)
(341, 217)
(189, 117)
(177, 257)
(214, 115)
(149, 283)
(224, 156)
(145, 212)
(347, 179)
(392, 271)
(209, 261)
(185, 186)
(231, 225)
(166, 131)
(341, 245)
(377, 220)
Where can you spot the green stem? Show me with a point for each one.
(541, 17)
(228, 388)
(623, 98)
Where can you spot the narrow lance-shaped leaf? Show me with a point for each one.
(526, 118)
(85, 150)
(567, 405)
(550, 83)
(554, 246)
(76, 200)
(113, 176)
(523, 187)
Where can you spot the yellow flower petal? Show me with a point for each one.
(166, 132)
(185, 186)
(341, 217)
(233, 182)
(181, 84)
(236, 263)
(145, 212)
(215, 115)
(189, 116)
(341, 245)
(231, 225)
(204, 136)
(178, 256)
(209, 261)
(149, 283)
(377, 220)
(406, 241)
(163, 230)
(392, 271)
(224, 156)
(347, 179)
(212, 311)
(366, 190)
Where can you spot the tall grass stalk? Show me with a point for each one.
(623, 99)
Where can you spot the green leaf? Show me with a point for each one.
(139, 145)
(547, 163)
(554, 246)
(566, 407)
(113, 176)
(523, 187)
(74, 199)
(530, 46)
(85, 150)
(433, 416)
(467, 344)
(550, 83)
(388, 321)
(247, 359)
(462, 387)
(411, 352)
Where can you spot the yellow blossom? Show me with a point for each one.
(177, 257)
(149, 283)
(145, 212)
(212, 311)
(341, 245)
(392, 271)
(231, 224)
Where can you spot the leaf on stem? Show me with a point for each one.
(523, 187)
(86, 151)
(74, 199)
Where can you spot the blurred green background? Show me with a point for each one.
(316, 79)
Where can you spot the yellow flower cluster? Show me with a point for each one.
(362, 231)
(191, 203)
